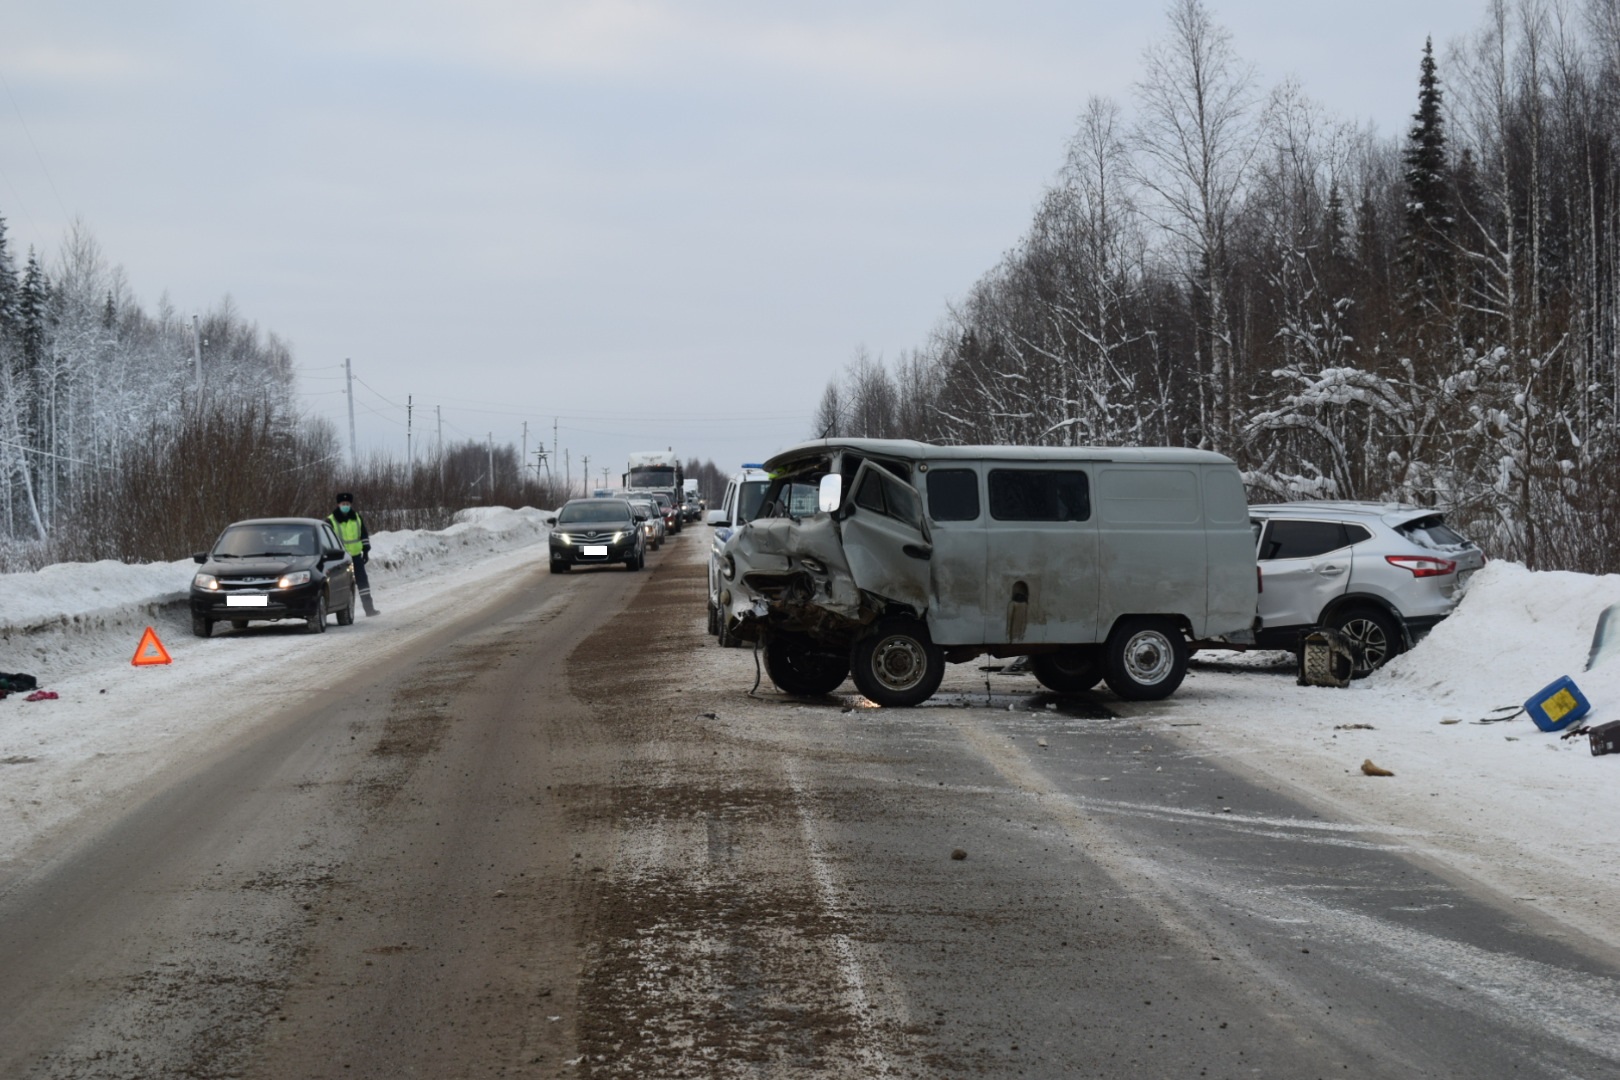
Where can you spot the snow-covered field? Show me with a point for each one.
(1519, 809)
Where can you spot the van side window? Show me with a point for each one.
(1039, 495)
(953, 495)
(1301, 539)
(882, 495)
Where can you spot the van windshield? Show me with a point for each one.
(793, 499)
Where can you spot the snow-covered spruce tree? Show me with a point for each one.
(1425, 252)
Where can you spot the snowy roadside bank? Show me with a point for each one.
(63, 618)
(1505, 803)
(75, 627)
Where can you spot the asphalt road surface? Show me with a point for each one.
(561, 838)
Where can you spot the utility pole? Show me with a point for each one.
(492, 468)
(438, 414)
(586, 474)
(348, 382)
(568, 473)
(410, 461)
(196, 356)
(523, 462)
(541, 459)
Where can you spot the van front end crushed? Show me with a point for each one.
(787, 575)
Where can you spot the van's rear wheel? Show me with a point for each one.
(797, 667)
(1146, 659)
(1071, 671)
(898, 664)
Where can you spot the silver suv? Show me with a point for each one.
(1381, 574)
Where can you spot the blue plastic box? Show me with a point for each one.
(1557, 705)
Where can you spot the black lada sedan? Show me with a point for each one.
(273, 568)
(589, 532)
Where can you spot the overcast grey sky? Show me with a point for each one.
(667, 224)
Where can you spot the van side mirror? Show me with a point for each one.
(200, 557)
(831, 494)
(715, 517)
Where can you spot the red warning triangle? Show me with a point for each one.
(150, 650)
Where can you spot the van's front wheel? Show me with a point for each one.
(898, 664)
(1146, 659)
(797, 667)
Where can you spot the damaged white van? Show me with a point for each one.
(886, 559)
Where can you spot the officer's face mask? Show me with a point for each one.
(345, 507)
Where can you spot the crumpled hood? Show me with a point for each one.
(769, 550)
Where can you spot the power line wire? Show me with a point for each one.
(49, 179)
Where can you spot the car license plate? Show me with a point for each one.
(247, 601)
(594, 549)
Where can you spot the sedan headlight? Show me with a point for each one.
(287, 581)
(205, 581)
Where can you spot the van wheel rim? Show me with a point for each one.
(898, 663)
(1367, 641)
(1148, 657)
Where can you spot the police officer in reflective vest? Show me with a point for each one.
(351, 529)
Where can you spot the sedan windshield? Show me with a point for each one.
(246, 541)
(611, 511)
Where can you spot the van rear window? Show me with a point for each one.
(1039, 495)
(953, 495)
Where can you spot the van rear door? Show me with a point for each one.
(885, 539)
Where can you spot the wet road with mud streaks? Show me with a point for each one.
(562, 839)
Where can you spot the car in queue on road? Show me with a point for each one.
(885, 559)
(1380, 574)
(652, 520)
(596, 532)
(667, 507)
(745, 490)
(272, 569)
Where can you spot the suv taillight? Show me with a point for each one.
(1422, 565)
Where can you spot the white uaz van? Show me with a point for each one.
(886, 559)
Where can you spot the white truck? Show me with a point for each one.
(652, 471)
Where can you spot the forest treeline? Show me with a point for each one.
(137, 435)
(1430, 318)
